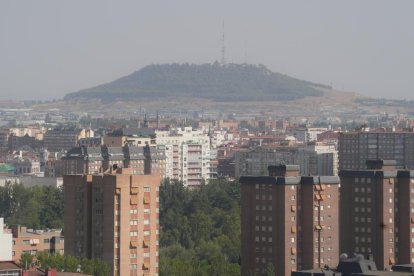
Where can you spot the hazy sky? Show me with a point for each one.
(49, 48)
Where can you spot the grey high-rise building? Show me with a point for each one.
(355, 148)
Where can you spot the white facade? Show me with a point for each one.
(187, 154)
(318, 159)
(6, 240)
(306, 134)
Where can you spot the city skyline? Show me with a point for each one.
(52, 49)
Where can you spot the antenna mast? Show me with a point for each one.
(223, 49)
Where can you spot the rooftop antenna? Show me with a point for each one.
(223, 49)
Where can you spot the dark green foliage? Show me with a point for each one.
(209, 81)
(35, 207)
(200, 229)
(72, 264)
(26, 260)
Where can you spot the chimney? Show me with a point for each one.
(283, 170)
(17, 229)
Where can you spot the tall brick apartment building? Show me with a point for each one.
(288, 221)
(114, 217)
(377, 213)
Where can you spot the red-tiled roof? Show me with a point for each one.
(9, 265)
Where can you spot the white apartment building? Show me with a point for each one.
(6, 240)
(318, 159)
(306, 134)
(187, 154)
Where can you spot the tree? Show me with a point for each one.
(270, 270)
(35, 207)
(200, 229)
(26, 260)
(101, 268)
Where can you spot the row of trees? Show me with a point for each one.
(35, 207)
(45, 260)
(200, 229)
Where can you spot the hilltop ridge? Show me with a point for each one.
(241, 82)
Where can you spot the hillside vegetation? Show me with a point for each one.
(217, 82)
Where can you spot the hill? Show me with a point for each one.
(216, 82)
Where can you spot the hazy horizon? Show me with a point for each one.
(52, 48)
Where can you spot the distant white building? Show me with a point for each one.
(187, 154)
(6, 243)
(318, 159)
(306, 134)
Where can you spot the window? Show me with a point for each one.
(147, 189)
(46, 241)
